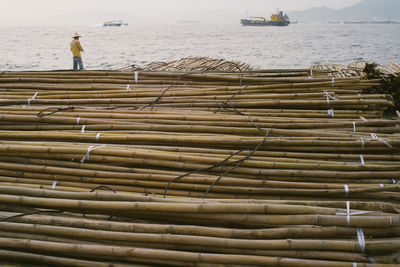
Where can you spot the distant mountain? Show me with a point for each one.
(367, 10)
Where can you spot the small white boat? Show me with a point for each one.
(114, 23)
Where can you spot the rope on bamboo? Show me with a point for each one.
(222, 104)
(29, 213)
(161, 95)
(102, 187)
(242, 114)
(151, 105)
(237, 164)
(222, 163)
(40, 113)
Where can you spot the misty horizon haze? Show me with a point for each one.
(91, 12)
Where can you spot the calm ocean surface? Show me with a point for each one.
(296, 46)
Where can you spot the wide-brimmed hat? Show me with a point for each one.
(76, 35)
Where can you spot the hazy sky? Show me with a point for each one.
(87, 12)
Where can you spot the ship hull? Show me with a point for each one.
(112, 25)
(247, 22)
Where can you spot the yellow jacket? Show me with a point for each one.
(76, 48)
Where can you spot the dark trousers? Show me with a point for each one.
(77, 61)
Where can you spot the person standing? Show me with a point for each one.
(76, 50)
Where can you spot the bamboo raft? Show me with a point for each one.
(252, 168)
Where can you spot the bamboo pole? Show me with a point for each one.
(323, 180)
(169, 255)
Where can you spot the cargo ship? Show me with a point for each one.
(278, 19)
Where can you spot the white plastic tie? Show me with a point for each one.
(128, 87)
(354, 126)
(32, 98)
(136, 76)
(331, 112)
(386, 143)
(346, 189)
(83, 128)
(333, 98)
(354, 264)
(361, 239)
(97, 136)
(311, 73)
(354, 213)
(396, 182)
(362, 143)
(362, 118)
(333, 81)
(328, 96)
(90, 149)
(77, 120)
(348, 213)
(372, 260)
(375, 137)
(54, 185)
(381, 185)
(362, 159)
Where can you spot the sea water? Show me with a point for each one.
(296, 46)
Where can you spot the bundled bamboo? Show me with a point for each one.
(192, 64)
(221, 168)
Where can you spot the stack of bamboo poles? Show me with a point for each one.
(274, 167)
(192, 64)
(358, 69)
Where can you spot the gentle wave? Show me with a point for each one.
(299, 45)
